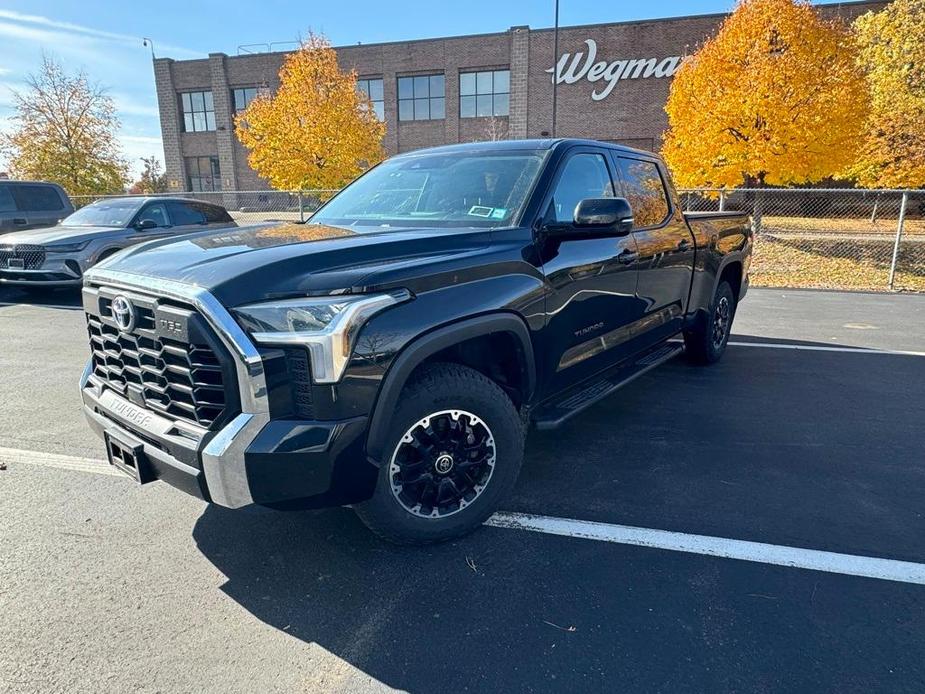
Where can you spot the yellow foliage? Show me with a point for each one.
(775, 97)
(892, 52)
(317, 131)
(64, 129)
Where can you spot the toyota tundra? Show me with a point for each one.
(392, 352)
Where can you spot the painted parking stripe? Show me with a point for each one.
(795, 557)
(14, 456)
(71, 307)
(780, 555)
(827, 348)
(822, 348)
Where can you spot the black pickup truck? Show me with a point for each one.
(391, 352)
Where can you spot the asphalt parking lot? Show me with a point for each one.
(807, 436)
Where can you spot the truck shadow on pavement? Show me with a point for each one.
(57, 298)
(769, 445)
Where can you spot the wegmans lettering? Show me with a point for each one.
(571, 69)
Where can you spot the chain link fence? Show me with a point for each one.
(829, 238)
(825, 238)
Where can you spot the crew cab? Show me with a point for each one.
(392, 352)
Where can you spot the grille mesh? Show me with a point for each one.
(33, 257)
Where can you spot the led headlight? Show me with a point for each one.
(326, 326)
(67, 247)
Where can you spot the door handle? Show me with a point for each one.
(684, 245)
(20, 221)
(627, 257)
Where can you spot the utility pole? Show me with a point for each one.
(555, 67)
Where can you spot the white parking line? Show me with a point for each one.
(14, 456)
(874, 351)
(827, 348)
(760, 552)
(795, 557)
(62, 306)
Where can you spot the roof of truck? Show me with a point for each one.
(534, 144)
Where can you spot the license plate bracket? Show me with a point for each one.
(129, 457)
(16, 263)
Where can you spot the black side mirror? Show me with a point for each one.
(145, 224)
(608, 215)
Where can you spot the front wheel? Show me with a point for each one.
(706, 343)
(455, 451)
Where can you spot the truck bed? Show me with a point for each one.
(717, 234)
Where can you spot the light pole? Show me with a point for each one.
(555, 67)
(148, 42)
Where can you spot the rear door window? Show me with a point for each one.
(213, 213)
(645, 192)
(185, 214)
(36, 198)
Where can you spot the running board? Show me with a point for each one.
(556, 413)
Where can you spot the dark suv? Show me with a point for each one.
(32, 204)
(392, 352)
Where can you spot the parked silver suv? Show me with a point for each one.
(31, 204)
(58, 256)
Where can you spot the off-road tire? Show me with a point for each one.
(702, 344)
(442, 387)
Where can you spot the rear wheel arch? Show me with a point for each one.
(459, 342)
(731, 272)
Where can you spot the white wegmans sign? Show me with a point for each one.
(629, 69)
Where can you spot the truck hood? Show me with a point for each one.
(249, 264)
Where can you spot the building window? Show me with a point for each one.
(421, 97)
(203, 174)
(484, 94)
(198, 111)
(373, 90)
(243, 96)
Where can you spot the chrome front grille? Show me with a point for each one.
(32, 257)
(169, 362)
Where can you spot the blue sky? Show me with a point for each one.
(105, 37)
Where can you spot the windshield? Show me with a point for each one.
(104, 213)
(437, 190)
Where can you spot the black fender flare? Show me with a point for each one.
(428, 344)
(728, 259)
(696, 318)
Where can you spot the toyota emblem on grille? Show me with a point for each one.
(123, 313)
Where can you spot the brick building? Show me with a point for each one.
(613, 84)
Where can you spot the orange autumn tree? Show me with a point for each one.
(776, 97)
(892, 53)
(317, 132)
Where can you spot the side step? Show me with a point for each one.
(557, 412)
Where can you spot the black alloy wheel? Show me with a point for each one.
(721, 322)
(453, 454)
(442, 463)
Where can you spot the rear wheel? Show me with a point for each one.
(455, 451)
(706, 343)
